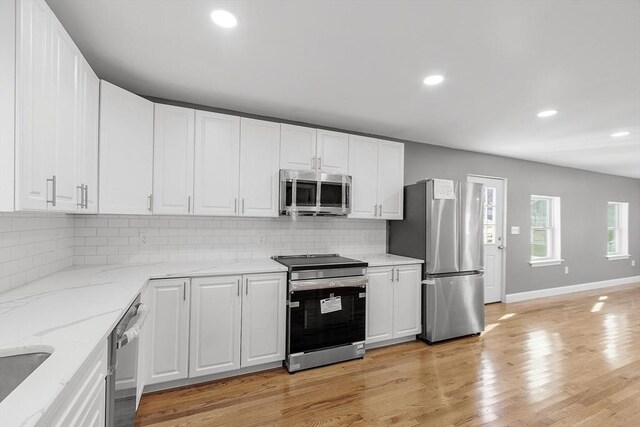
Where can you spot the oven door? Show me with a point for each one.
(320, 316)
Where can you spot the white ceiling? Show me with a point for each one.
(358, 65)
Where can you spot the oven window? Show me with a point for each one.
(310, 329)
(305, 194)
(331, 194)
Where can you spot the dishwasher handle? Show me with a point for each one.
(134, 331)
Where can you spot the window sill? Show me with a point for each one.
(546, 262)
(616, 257)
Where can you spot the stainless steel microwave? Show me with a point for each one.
(314, 193)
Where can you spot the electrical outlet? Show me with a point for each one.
(566, 270)
(143, 237)
(633, 263)
(261, 239)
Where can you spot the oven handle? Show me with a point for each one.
(336, 282)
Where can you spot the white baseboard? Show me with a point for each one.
(541, 293)
(392, 341)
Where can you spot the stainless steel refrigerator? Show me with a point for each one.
(443, 226)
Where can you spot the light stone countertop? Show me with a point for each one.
(71, 312)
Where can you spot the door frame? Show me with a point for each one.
(503, 255)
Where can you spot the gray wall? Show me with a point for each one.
(584, 196)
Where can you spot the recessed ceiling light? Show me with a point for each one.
(547, 113)
(433, 80)
(224, 19)
(618, 134)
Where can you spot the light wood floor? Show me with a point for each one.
(566, 360)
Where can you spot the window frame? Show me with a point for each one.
(621, 231)
(554, 232)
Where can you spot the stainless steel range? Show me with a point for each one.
(325, 309)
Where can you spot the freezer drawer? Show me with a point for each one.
(453, 306)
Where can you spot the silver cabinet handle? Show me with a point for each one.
(235, 205)
(246, 286)
(184, 291)
(80, 203)
(86, 196)
(375, 210)
(238, 288)
(314, 163)
(189, 204)
(52, 180)
(380, 210)
(150, 197)
(243, 205)
(319, 163)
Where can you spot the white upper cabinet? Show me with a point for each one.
(173, 154)
(377, 168)
(259, 168)
(217, 164)
(34, 104)
(7, 103)
(390, 179)
(332, 151)
(298, 148)
(56, 115)
(87, 161)
(310, 149)
(126, 151)
(363, 167)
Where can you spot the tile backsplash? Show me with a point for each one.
(33, 245)
(128, 238)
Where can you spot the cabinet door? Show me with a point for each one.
(215, 325)
(379, 305)
(390, 179)
(34, 100)
(263, 319)
(217, 164)
(259, 167)
(126, 151)
(66, 61)
(333, 151)
(87, 165)
(7, 104)
(173, 145)
(297, 147)
(168, 343)
(363, 167)
(406, 301)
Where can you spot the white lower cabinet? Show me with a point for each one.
(168, 330)
(393, 302)
(215, 325)
(82, 402)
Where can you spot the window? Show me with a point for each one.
(545, 231)
(489, 215)
(617, 230)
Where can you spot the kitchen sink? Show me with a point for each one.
(16, 368)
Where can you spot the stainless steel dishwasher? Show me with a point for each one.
(123, 352)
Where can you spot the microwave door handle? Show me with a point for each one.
(318, 190)
(294, 192)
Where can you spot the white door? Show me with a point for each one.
(87, 165)
(406, 301)
(297, 147)
(126, 151)
(333, 151)
(363, 167)
(263, 319)
(259, 168)
(379, 321)
(390, 179)
(66, 67)
(34, 125)
(215, 325)
(217, 164)
(168, 344)
(494, 202)
(173, 145)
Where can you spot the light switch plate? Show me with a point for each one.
(515, 229)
